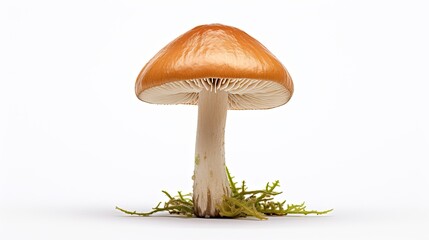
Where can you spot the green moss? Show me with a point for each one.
(197, 159)
(180, 204)
(241, 203)
(259, 203)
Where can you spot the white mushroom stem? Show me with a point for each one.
(210, 179)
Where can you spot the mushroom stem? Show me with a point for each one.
(210, 179)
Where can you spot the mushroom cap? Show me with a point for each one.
(216, 58)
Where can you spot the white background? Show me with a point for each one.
(75, 141)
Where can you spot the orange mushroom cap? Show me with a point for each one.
(216, 58)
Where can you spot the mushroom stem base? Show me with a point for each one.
(210, 179)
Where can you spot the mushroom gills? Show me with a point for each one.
(243, 93)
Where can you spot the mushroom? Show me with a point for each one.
(216, 67)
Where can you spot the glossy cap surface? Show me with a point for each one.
(216, 58)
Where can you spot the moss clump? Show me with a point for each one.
(180, 204)
(241, 203)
